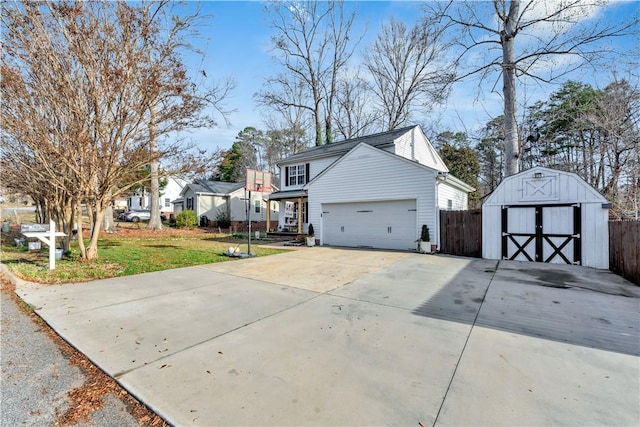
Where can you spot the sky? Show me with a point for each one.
(236, 43)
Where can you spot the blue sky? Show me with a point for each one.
(237, 42)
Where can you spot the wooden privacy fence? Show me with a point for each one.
(624, 249)
(461, 233)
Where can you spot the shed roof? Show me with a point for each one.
(541, 185)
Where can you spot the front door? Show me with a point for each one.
(542, 233)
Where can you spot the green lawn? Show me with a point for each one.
(122, 256)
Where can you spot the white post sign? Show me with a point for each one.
(46, 234)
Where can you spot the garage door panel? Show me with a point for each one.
(383, 224)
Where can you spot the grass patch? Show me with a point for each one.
(123, 256)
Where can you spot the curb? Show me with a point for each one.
(13, 278)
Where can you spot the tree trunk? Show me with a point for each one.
(107, 224)
(80, 236)
(154, 222)
(509, 90)
(92, 248)
(318, 119)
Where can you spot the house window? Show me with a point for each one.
(297, 174)
(190, 203)
(257, 205)
(167, 202)
(449, 204)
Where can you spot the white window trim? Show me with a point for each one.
(297, 174)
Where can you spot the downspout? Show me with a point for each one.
(437, 218)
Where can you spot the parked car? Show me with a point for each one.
(137, 215)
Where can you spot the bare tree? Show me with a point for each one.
(313, 43)
(354, 116)
(408, 68)
(79, 85)
(554, 39)
(287, 123)
(616, 116)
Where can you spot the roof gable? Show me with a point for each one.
(358, 150)
(420, 149)
(342, 147)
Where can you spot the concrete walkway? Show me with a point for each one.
(328, 336)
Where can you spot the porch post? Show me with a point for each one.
(268, 215)
(300, 215)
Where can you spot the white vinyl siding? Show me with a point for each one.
(367, 174)
(316, 166)
(172, 191)
(449, 194)
(414, 145)
(239, 206)
(210, 205)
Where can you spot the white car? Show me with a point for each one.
(137, 215)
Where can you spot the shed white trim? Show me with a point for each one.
(546, 215)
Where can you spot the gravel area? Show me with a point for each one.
(45, 382)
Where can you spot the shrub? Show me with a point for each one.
(186, 219)
(424, 235)
(223, 219)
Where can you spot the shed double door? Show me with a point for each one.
(542, 233)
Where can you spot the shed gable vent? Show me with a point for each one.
(540, 188)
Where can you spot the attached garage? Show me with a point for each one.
(389, 224)
(546, 215)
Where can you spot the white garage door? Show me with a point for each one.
(385, 225)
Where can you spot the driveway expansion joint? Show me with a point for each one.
(464, 347)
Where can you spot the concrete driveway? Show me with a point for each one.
(327, 336)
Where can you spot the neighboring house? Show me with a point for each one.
(171, 191)
(374, 191)
(210, 198)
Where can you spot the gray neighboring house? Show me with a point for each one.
(210, 198)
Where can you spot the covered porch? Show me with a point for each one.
(293, 215)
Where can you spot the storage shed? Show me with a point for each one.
(546, 215)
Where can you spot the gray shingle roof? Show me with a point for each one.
(342, 147)
(215, 187)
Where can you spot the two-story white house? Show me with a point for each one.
(171, 191)
(374, 191)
